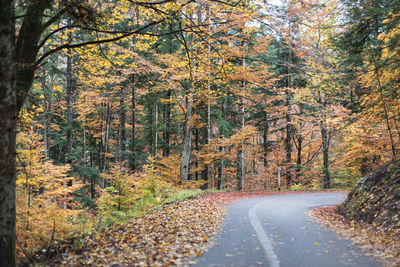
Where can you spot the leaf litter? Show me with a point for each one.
(169, 236)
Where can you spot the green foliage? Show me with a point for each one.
(345, 178)
(182, 195)
(297, 187)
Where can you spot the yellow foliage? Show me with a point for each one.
(45, 207)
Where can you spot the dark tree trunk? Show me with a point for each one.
(122, 121)
(26, 48)
(222, 149)
(325, 141)
(7, 135)
(289, 97)
(168, 106)
(240, 152)
(266, 147)
(155, 128)
(133, 131)
(206, 171)
(69, 106)
(167, 131)
(207, 138)
(325, 153)
(265, 139)
(196, 147)
(299, 157)
(289, 134)
(221, 171)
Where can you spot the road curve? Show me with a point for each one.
(275, 231)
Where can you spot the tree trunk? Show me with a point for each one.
(289, 96)
(167, 131)
(240, 156)
(221, 170)
(7, 135)
(187, 141)
(167, 119)
(133, 131)
(196, 147)
(155, 128)
(207, 138)
(265, 140)
(26, 47)
(122, 121)
(289, 132)
(325, 152)
(208, 113)
(222, 149)
(69, 105)
(299, 157)
(84, 146)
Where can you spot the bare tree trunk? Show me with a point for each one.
(167, 131)
(187, 141)
(288, 140)
(106, 137)
(167, 119)
(69, 105)
(155, 128)
(240, 156)
(289, 126)
(133, 130)
(84, 147)
(122, 121)
(299, 157)
(196, 147)
(265, 140)
(221, 170)
(325, 152)
(8, 113)
(208, 113)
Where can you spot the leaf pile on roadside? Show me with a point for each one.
(380, 242)
(169, 236)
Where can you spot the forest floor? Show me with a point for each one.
(168, 236)
(379, 241)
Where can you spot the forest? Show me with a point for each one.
(111, 108)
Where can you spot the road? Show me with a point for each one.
(275, 231)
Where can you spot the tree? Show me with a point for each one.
(29, 52)
(8, 110)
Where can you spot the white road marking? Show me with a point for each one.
(263, 237)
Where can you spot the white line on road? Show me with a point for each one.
(263, 237)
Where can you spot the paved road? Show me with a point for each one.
(275, 231)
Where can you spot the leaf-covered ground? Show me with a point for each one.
(166, 237)
(169, 236)
(380, 242)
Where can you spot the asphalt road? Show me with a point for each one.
(275, 231)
